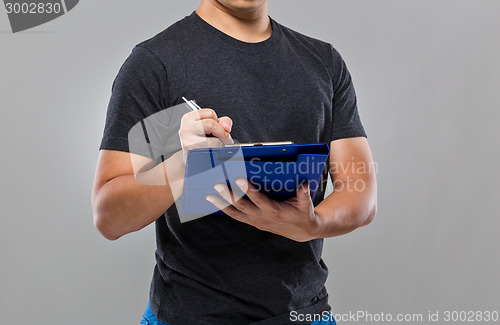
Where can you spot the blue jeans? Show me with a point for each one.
(150, 319)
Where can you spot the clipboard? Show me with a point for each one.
(276, 170)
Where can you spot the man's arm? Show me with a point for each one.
(121, 203)
(353, 203)
(122, 199)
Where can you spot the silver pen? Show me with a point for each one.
(191, 104)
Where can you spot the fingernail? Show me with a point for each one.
(218, 188)
(209, 199)
(240, 182)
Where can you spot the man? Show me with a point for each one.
(260, 263)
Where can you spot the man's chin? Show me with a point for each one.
(242, 6)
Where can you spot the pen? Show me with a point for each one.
(191, 104)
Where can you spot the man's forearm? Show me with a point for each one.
(345, 210)
(125, 204)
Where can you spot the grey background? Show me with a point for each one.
(428, 78)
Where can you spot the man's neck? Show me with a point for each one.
(251, 27)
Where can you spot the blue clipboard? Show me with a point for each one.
(276, 170)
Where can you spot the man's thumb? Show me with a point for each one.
(303, 193)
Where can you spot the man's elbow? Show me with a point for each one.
(369, 215)
(102, 222)
(105, 228)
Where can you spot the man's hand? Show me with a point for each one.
(196, 125)
(121, 200)
(293, 218)
(353, 204)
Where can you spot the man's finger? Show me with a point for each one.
(258, 198)
(228, 140)
(223, 206)
(224, 192)
(226, 123)
(231, 211)
(214, 128)
(241, 204)
(303, 194)
(205, 113)
(213, 142)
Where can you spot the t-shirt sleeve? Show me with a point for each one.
(346, 122)
(139, 90)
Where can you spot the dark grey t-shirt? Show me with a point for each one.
(215, 270)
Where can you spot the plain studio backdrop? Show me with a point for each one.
(427, 74)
